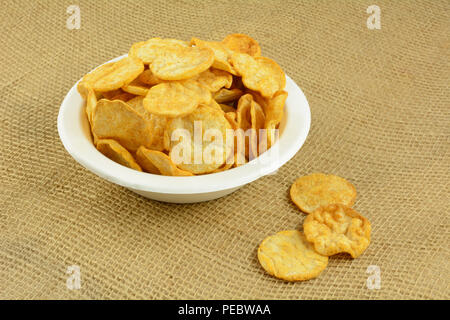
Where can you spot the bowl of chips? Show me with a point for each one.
(185, 122)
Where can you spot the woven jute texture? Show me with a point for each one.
(380, 106)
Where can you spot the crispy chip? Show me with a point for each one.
(91, 103)
(136, 87)
(288, 256)
(158, 163)
(124, 96)
(215, 79)
(153, 48)
(182, 63)
(203, 94)
(337, 228)
(115, 75)
(111, 94)
(243, 116)
(260, 74)
(195, 162)
(149, 78)
(227, 96)
(114, 151)
(221, 54)
(171, 99)
(274, 111)
(117, 120)
(157, 123)
(318, 189)
(242, 43)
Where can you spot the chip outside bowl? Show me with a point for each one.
(74, 132)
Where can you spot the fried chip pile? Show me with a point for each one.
(144, 109)
(330, 228)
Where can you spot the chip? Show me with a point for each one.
(91, 103)
(289, 256)
(227, 95)
(149, 78)
(318, 189)
(117, 120)
(182, 63)
(149, 50)
(221, 54)
(114, 151)
(136, 87)
(158, 163)
(243, 44)
(171, 99)
(157, 123)
(274, 111)
(260, 74)
(199, 154)
(215, 79)
(117, 75)
(337, 228)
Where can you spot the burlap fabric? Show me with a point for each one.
(380, 117)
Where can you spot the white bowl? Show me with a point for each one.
(74, 131)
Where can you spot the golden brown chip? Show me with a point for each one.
(114, 151)
(337, 228)
(227, 95)
(274, 111)
(157, 123)
(91, 103)
(149, 78)
(158, 163)
(221, 54)
(115, 75)
(203, 94)
(124, 96)
(117, 120)
(153, 48)
(91, 78)
(136, 87)
(171, 99)
(202, 154)
(182, 63)
(318, 189)
(242, 43)
(215, 79)
(260, 74)
(288, 256)
(111, 94)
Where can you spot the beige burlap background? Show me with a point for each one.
(380, 106)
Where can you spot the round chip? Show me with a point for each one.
(274, 111)
(227, 95)
(288, 256)
(157, 123)
(260, 74)
(318, 189)
(116, 75)
(221, 54)
(337, 228)
(196, 152)
(149, 78)
(153, 48)
(182, 63)
(215, 79)
(171, 99)
(117, 120)
(158, 163)
(114, 151)
(136, 87)
(242, 43)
